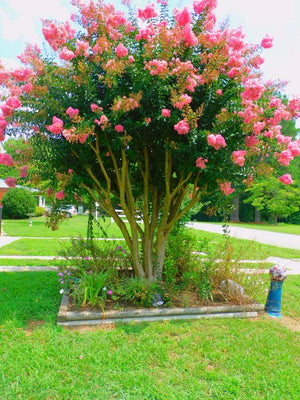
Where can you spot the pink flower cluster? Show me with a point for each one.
(72, 112)
(57, 35)
(286, 179)
(6, 159)
(147, 13)
(11, 182)
(66, 54)
(182, 17)
(285, 157)
(121, 50)
(226, 188)
(216, 141)
(24, 172)
(182, 127)
(60, 195)
(157, 67)
(253, 90)
(184, 99)
(200, 162)
(56, 127)
(267, 42)
(166, 113)
(22, 74)
(239, 157)
(119, 128)
(200, 6)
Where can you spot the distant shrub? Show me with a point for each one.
(39, 211)
(17, 203)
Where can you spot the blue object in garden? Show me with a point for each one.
(273, 304)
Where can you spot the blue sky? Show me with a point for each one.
(20, 23)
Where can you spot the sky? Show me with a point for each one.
(20, 23)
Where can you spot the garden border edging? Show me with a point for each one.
(75, 319)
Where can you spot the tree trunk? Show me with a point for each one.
(235, 215)
(257, 217)
(275, 219)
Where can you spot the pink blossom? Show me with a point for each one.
(285, 157)
(121, 50)
(157, 67)
(3, 122)
(251, 141)
(182, 127)
(148, 12)
(199, 6)
(70, 171)
(200, 162)
(286, 179)
(109, 292)
(182, 17)
(257, 61)
(191, 83)
(56, 127)
(24, 172)
(219, 92)
(119, 128)
(6, 159)
(226, 188)
(217, 141)
(27, 88)
(131, 59)
(66, 54)
(294, 148)
(60, 195)
(188, 36)
(166, 113)
(11, 182)
(72, 112)
(22, 74)
(258, 127)
(13, 102)
(184, 99)
(82, 48)
(253, 90)
(96, 108)
(239, 157)
(267, 42)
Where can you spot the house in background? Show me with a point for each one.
(3, 189)
(40, 199)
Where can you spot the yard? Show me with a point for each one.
(204, 359)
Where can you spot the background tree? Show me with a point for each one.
(145, 112)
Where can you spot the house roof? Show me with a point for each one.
(3, 185)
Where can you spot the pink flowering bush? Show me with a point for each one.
(149, 113)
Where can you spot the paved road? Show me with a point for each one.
(266, 237)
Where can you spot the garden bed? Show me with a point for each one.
(71, 319)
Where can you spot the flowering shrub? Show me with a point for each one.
(141, 109)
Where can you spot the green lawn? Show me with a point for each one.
(280, 228)
(243, 249)
(76, 226)
(204, 359)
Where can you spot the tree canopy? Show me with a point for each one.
(147, 112)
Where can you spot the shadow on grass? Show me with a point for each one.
(29, 297)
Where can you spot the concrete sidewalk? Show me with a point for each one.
(267, 237)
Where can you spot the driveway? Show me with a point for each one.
(266, 237)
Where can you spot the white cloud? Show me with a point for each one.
(21, 20)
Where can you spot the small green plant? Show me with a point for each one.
(39, 211)
(138, 291)
(92, 288)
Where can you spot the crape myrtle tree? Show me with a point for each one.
(148, 112)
